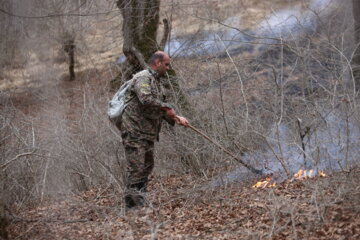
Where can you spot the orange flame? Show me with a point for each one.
(265, 183)
(302, 174)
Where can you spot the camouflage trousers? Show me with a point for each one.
(139, 155)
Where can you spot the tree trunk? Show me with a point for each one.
(356, 58)
(3, 221)
(140, 25)
(69, 47)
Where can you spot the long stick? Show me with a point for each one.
(254, 170)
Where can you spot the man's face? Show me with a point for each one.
(162, 66)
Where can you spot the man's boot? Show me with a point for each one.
(135, 196)
(129, 201)
(141, 186)
(138, 197)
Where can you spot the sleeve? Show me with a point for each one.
(143, 91)
(169, 120)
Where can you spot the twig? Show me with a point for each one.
(293, 224)
(314, 198)
(3, 166)
(222, 100)
(16, 220)
(279, 158)
(241, 83)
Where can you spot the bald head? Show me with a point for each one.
(160, 62)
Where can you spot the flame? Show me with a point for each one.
(264, 183)
(302, 174)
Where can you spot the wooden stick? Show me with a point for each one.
(251, 168)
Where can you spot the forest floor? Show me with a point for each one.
(181, 208)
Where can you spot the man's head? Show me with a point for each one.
(160, 62)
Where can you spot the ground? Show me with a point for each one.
(183, 208)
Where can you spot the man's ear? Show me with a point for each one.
(157, 62)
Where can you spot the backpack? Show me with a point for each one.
(119, 101)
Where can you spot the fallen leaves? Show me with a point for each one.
(312, 209)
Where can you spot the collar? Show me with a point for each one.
(154, 73)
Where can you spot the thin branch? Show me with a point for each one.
(54, 15)
(16, 158)
(51, 220)
(239, 30)
(241, 84)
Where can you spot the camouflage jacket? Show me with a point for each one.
(142, 117)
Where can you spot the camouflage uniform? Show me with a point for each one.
(140, 126)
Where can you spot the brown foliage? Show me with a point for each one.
(311, 209)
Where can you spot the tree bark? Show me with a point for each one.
(356, 58)
(140, 25)
(69, 47)
(3, 221)
(166, 34)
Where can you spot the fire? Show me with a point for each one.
(302, 174)
(264, 183)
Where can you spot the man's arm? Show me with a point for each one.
(178, 119)
(143, 91)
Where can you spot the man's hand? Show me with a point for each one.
(178, 119)
(181, 121)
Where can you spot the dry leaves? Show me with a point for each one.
(312, 209)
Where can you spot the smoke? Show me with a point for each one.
(331, 145)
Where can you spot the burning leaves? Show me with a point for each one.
(264, 183)
(303, 174)
(268, 182)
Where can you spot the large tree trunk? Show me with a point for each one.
(140, 25)
(356, 59)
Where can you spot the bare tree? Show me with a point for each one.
(5, 23)
(356, 59)
(66, 29)
(12, 34)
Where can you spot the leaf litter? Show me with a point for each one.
(316, 208)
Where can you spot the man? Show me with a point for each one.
(140, 126)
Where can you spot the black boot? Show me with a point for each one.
(141, 186)
(129, 201)
(135, 197)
